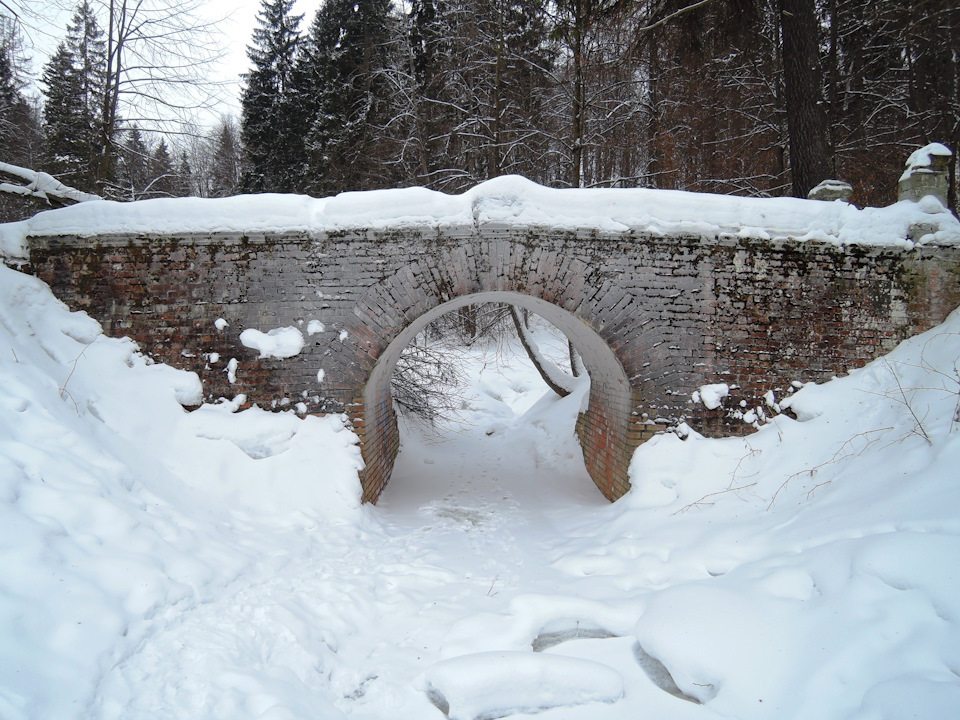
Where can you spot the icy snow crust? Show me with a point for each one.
(156, 563)
(511, 200)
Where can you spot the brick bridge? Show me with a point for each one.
(656, 304)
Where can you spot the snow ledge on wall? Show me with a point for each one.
(510, 200)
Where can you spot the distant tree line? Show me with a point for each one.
(753, 97)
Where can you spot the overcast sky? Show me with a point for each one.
(237, 19)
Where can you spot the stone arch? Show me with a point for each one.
(602, 430)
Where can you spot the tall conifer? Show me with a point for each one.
(272, 141)
(19, 126)
(74, 79)
(163, 177)
(225, 170)
(64, 133)
(342, 72)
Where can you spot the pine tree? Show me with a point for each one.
(184, 179)
(20, 136)
(65, 147)
(162, 176)
(19, 124)
(134, 173)
(273, 142)
(10, 99)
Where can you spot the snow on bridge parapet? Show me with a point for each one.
(508, 201)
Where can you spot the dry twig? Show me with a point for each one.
(837, 457)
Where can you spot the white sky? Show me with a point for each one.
(237, 20)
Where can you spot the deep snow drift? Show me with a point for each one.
(156, 563)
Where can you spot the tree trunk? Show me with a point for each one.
(579, 93)
(806, 121)
(554, 377)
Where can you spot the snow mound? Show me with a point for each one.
(826, 541)
(285, 342)
(498, 684)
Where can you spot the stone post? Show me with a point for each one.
(927, 173)
(830, 190)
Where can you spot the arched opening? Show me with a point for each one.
(602, 429)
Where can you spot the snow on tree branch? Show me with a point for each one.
(39, 186)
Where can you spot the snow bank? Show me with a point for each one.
(827, 543)
(116, 505)
(509, 200)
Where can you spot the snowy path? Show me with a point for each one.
(457, 560)
(497, 508)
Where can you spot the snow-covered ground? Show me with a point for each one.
(156, 563)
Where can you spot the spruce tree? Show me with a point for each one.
(273, 142)
(225, 163)
(74, 78)
(19, 126)
(65, 147)
(10, 97)
(184, 176)
(134, 173)
(163, 179)
(342, 73)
